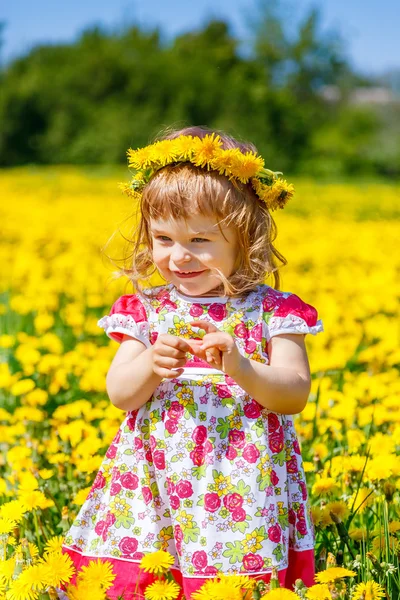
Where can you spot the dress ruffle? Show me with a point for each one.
(116, 325)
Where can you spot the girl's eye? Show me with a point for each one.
(163, 238)
(200, 240)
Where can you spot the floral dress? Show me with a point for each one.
(201, 470)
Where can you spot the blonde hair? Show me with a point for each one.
(182, 190)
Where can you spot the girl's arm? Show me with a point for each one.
(282, 386)
(136, 371)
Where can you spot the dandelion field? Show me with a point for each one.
(56, 422)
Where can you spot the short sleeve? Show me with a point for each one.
(284, 312)
(127, 316)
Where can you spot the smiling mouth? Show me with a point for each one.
(188, 273)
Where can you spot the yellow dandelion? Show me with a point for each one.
(35, 499)
(97, 571)
(54, 544)
(220, 590)
(81, 496)
(162, 590)
(14, 510)
(358, 533)
(83, 590)
(19, 590)
(163, 152)
(140, 158)
(394, 526)
(157, 562)
(320, 591)
(59, 568)
(184, 146)
(330, 575)
(281, 594)
(7, 568)
(205, 149)
(369, 591)
(239, 581)
(361, 499)
(324, 486)
(338, 508)
(225, 161)
(7, 526)
(247, 166)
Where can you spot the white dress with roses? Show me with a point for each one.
(202, 470)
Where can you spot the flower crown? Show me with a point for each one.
(207, 153)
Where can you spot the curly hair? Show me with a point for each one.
(181, 190)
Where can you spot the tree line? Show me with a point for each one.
(86, 102)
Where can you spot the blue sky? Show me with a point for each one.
(369, 27)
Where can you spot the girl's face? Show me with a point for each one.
(185, 252)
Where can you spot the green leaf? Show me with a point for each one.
(241, 488)
(223, 427)
(240, 526)
(191, 534)
(199, 472)
(279, 458)
(234, 552)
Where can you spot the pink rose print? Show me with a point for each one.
(229, 380)
(99, 481)
(199, 434)
(212, 502)
(273, 422)
(250, 346)
(274, 478)
(111, 452)
(128, 545)
(176, 410)
(178, 534)
(153, 337)
(175, 502)
(217, 311)
(295, 306)
(231, 453)
(196, 310)
(159, 459)
(253, 562)
(102, 527)
(131, 422)
(115, 489)
(211, 570)
(198, 455)
(292, 466)
(237, 438)
(296, 447)
(149, 457)
(147, 495)
(301, 527)
(291, 516)
(232, 501)
(138, 443)
(223, 392)
(274, 298)
(153, 442)
(199, 560)
(239, 515)
(256, 332)
(251, 453)
(129, 481)
(276, 440)
(241, 331)
(274, 533)
(184, 489)
(252, 410)
(208, 447)
(171, 426)
(117, 437)
(303, 490)
(170, 486)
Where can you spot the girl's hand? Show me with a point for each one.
(218, 348)
(169, 355)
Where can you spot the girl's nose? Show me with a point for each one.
(180, 254)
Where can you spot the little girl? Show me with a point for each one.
(210, 369)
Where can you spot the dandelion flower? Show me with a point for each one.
(54, 544)
(162, 590)
(247, 166)
(369, 591)
(338, 508)
(7, 568)
(184, 145)
(281, 594)
(7, 526)
(60, 568)
(98, 572)
(157, 562)
(163, 152)
(84, 590)
(14, 510)
(205, 150)
(320, 591)
(330, 575)
(225, 161)
(141, 158)
(324, 486)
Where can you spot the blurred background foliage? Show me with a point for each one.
(294, 95)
